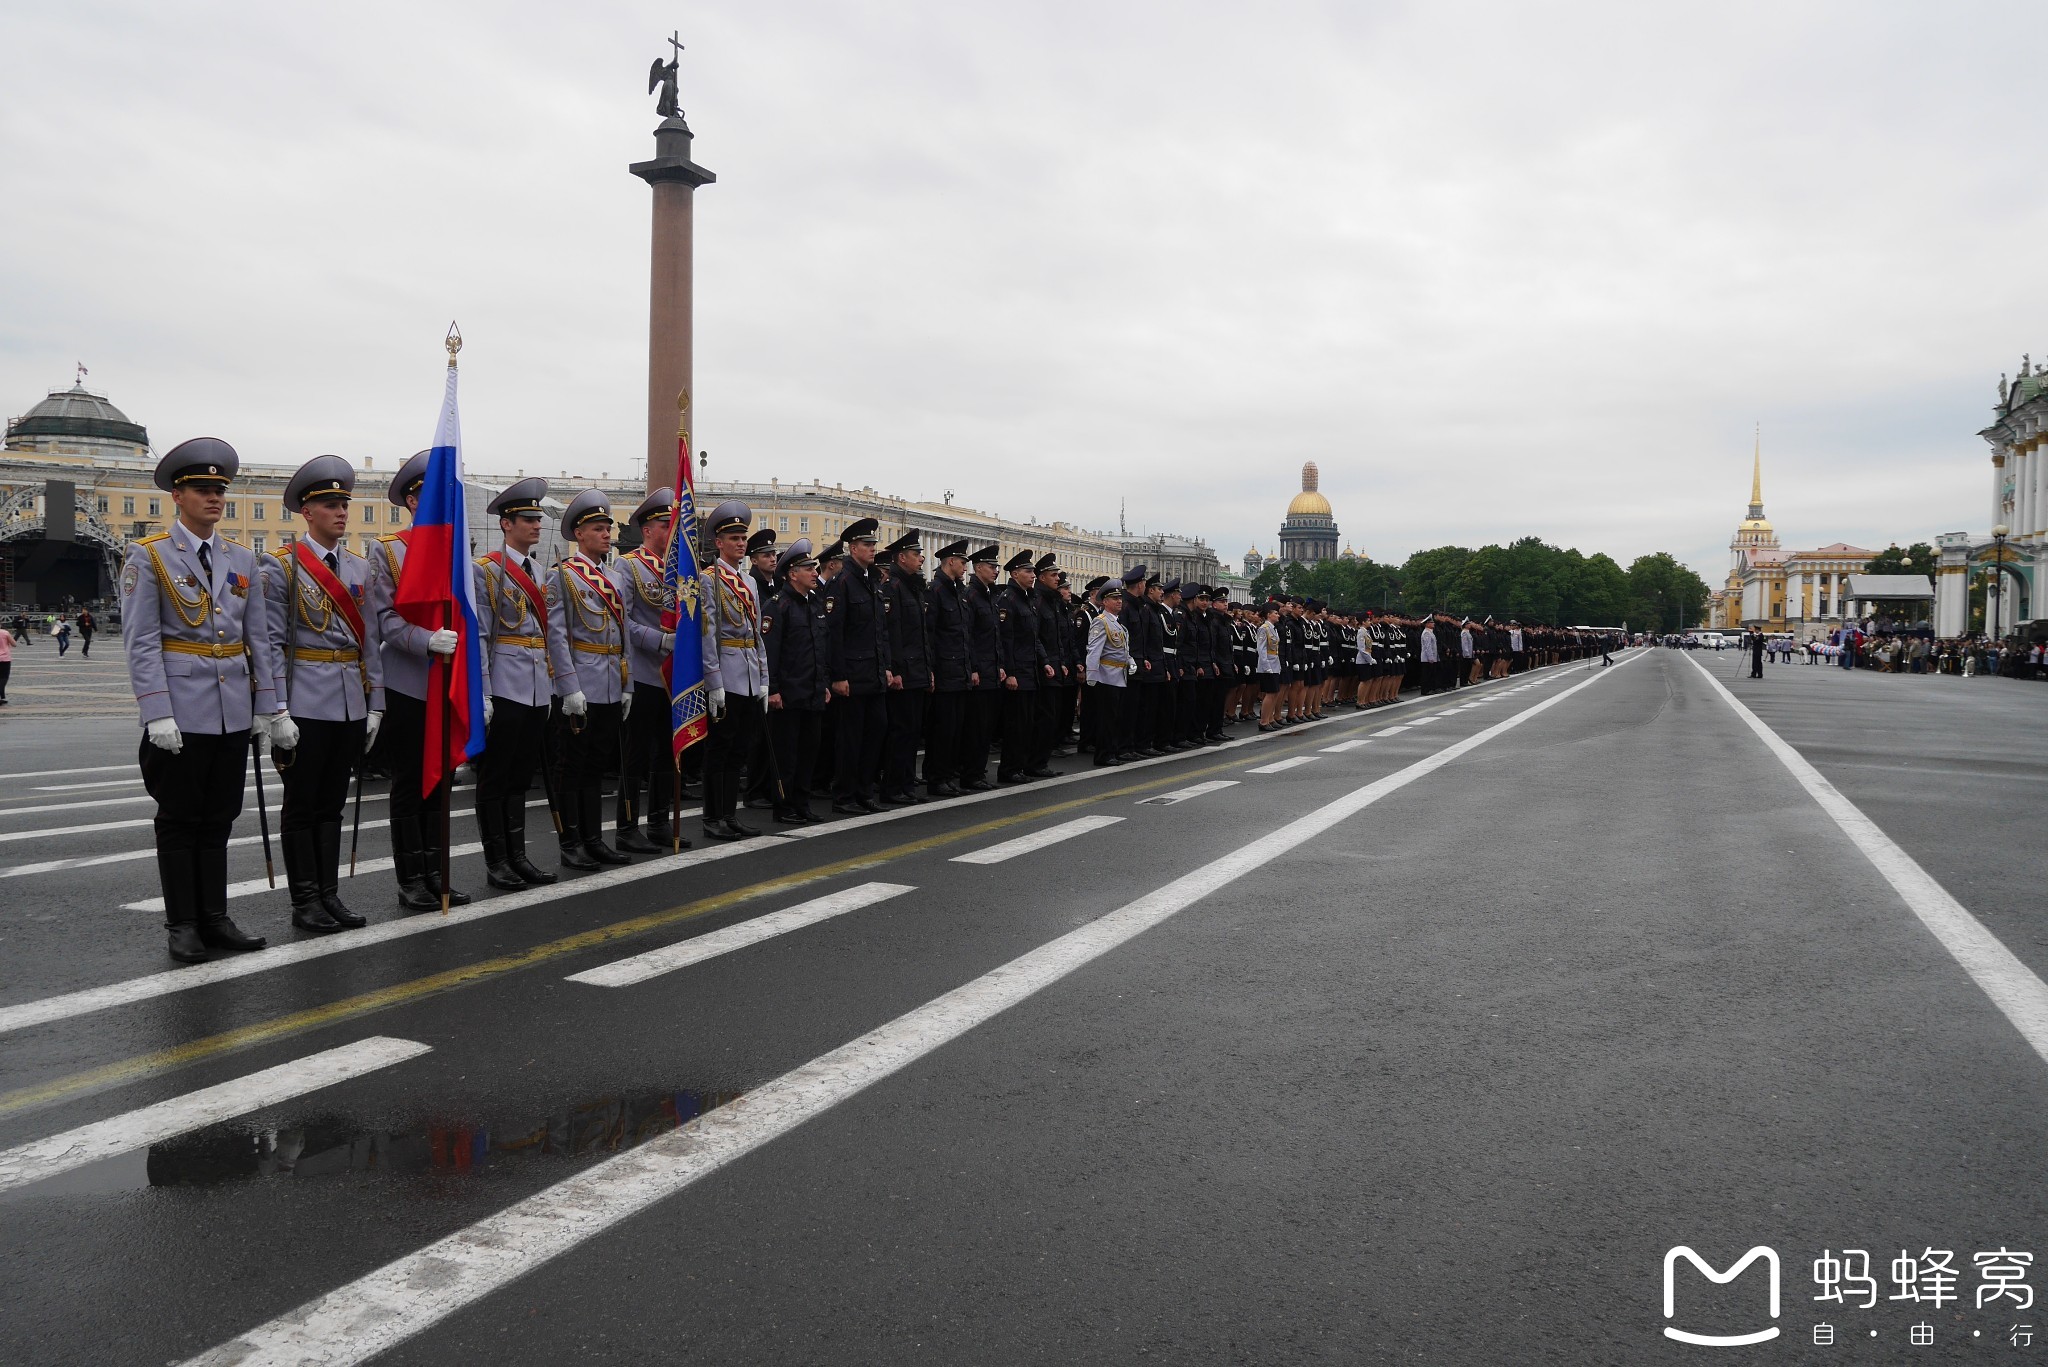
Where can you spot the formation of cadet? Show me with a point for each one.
(832, 671)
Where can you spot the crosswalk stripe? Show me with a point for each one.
(1389, 730)
(1282, 766)
(81, 787)
(655, 962)
(1425, 721)
(1343, 747)
(62, 773)
(196, 1110)
(1037, 840)
(1180, 795)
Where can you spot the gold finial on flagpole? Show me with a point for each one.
(683, 413)
(453, 343)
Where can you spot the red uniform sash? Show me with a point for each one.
(603, 587)
(525, 585)
(738, 583)
(344, 602)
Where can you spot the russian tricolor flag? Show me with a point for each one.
(435, 590)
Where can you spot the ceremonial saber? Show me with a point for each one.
(262, 813)
(356, 835)
(547, 771)
(675, 811)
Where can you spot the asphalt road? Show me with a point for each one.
(1423, 1049)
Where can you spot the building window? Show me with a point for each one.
(285, 538)
(369, 544)
(230, 510)
(369, 513)
(103, 505)
(156, 508)
(781, 524)
(127, 507)
(256, 511)
(803, 524)
(256, 543)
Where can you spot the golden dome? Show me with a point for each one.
(1309, 503)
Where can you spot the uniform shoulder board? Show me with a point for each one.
(152, 540)
(388, 536)
(282, 551)
(229, 540)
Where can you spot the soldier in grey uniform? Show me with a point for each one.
(415, 820)
(650, 745)
(511, 609)
(587, 652)
(1108, 672)
(735, 669)
(330, 681)
(201, 664)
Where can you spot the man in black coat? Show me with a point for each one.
(857, 662)
(908, 604)
(1054, 638)
(948, 615)
(1029, 671)
(985, 657)
(1141, 620)
(793, 630)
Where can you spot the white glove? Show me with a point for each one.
(163, 734)
(284, 732)
(625, 706)
(575, 705)
(259, 734)
(487, 709)
(717, 703)
(375, 720)
(668, 643)
(442, 642)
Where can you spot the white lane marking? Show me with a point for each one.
(129, 990)
(1037, 840)
(89, 861)
(1180, 795)
(51, 832)
(61, 773)
(2013, 988)
(1424, 721)
(1343, 747)
(669, 958)
(1389, 730)
(409, 1295)
(74, 806)
(81, 787)
(196, 1110)
(1283, 765)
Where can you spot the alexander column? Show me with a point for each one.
(675, 179)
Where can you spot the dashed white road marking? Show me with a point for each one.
(1425, 721)
(1179, 795)
(669, 958)
(1343, 747)
(196, 1110)
(356, 1322)
(1390, 730)
(81, 787)
(2016, 990)
(1037, 840)
(62, 773)
(1282, 766)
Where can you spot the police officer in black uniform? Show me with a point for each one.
(1054, 632)
(1028, 669)
(793, 629)
(908, 606)
(857, 659)
(950, 626)
(987, 673)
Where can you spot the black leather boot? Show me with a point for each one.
(407, 862)
(178, 872)
(515, 845)
(216, 931)
(590, 820)
(327, 845)
(302, 880)
(498, 871)
(430, 867)
(574, 856)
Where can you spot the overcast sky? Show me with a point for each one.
(1499, 269)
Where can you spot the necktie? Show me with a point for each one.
(526, 567)
(331, 563)
(206, 561)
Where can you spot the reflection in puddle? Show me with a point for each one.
(324, 1147)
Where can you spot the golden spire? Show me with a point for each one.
(1756, 477)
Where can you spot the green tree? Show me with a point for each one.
(1664, 595)
(1427, 578)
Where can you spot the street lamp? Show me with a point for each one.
(1998, 536)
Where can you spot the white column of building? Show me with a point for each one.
(2023, 489)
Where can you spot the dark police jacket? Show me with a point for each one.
(856, 636)
(908, 614)
(1052, 635)
(793, 631)
(1141, 618)
(1017, 625)
(1197, 651)
(950, 619)
(985, 654)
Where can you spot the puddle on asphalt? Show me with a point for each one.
(330, 1146)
